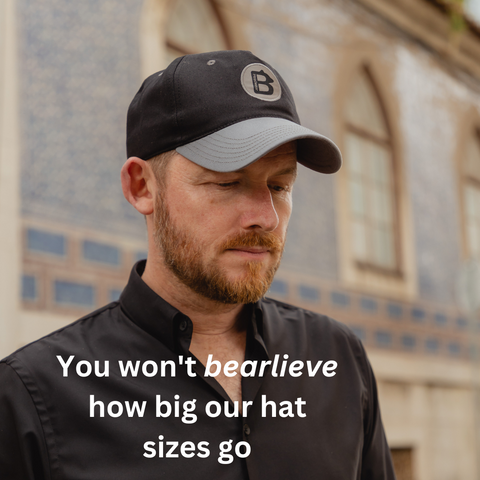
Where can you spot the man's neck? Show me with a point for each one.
(208, 317)
(218, 329)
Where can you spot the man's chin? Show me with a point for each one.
(235, 266)
(250, 285)
(247, 273)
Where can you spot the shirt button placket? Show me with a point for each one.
(246, 430)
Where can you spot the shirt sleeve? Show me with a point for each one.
(376, 461)
(23, 452)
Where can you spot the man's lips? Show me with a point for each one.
(250, 252)
(250, 249)
(253, 244)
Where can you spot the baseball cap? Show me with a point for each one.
(222, 110)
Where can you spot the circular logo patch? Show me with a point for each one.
(260, 82)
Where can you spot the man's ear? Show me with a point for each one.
(138, 185)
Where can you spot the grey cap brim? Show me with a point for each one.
(241, 144)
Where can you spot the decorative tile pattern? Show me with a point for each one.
(74, 294)
(114, 294)
(79, 64)
(279, 287)
(454, 349)
(418, 315)
(29, 288)
(46, 242)
(340, 299)
(383, 338)
(360, 332)
(140, 256)
(409, 342)
(394, 311)
(101, 253)
(440, 320)
(432, 345)
(368, 304)
(309, 293)
(462, 323)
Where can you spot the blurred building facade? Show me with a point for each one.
(378, 246)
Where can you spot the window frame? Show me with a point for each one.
(396, 271)
(470, 126)
(154, 43)
(221, 24)
(400, 283)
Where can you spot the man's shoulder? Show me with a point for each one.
(74, 337)
(311, 335)
(293, 316)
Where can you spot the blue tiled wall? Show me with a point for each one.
(140, 256)
(279, 287)
(309, 293)
(383, 338)
(368, 304)
(114, 294)
(46, 242)
(395, 311)
(340, 299)
(462, 323)
(79, 69)
(360, 332)
(101, 253)
(74, 294)
(431, 345)
(408, 342)
(440, 319)
(454, 349)
(29, 288)
(418, 315)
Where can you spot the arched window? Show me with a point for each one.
(172, 28)
(370, 179)
(471, 171)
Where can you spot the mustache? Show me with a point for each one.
(254, 239)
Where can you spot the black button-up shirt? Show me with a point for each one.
(72, 407)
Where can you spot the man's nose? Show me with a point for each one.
(259, 210)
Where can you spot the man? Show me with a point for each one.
(193, 374)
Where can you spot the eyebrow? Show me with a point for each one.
(287, 171)
(284, 171)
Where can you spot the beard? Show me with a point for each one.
(183, 255)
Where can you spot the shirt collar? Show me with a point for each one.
(163, 321)
(150, 311)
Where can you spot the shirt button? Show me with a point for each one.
(183, 325)
(246, 429)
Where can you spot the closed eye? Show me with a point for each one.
(227, 184)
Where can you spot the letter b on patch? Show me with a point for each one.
(260, 82)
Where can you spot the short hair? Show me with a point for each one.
(159, 165)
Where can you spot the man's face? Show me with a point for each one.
(223, 234)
